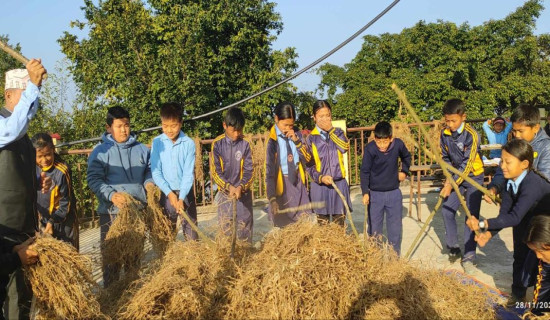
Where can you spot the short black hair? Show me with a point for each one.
(117, 112)
(171, 110)
(527, 114)
(383, 130)
(234, 117)
(41, 140)
(454, 106)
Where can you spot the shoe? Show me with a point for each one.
(453, 255)
(515, 302)
(469, 267)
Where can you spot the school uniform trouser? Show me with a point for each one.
(245, 221)
(172, 214)
(391, 203)
(451, 205)
(525, 265)
(17, 294)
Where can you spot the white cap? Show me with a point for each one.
(17, 79)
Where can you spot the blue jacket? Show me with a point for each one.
(118, 167)
(231, 163)
(496, 138)
(541, 162)
(461, 150)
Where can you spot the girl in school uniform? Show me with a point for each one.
(525, 194)
(327, 146)
(538, 240)
(286, 156)
(57, 207)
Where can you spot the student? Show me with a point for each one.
(527, 193)
(232, 170)
(498, 134)
(460, 149)
(380, 177)
(526, 126)
(57, 207)
(286, 156)
(538, 240)
(120, 164)
(547, 126)
(327, 146)
(173, 168)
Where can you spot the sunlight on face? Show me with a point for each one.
(44, 157)
(120, 130)
(171, 128)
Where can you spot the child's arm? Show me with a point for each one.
(96, 176)
(470, 153)
(543, 165)
(188, 174)
(406, 157)
(444, 149)
(508, 127)
(248, 169)
(216, 167)
(156, 168)
(366, 166)
(510, 215)
(339, 137)
(303, 152)
(491, 137)
(64, 189)
(311, 164)
(271, 170)
(148, 175)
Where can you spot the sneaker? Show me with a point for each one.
(453, 255)
(515, 302)
(469, 267)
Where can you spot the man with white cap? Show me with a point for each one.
(18, 182)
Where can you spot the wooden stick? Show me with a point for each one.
(348, 212)
(454, 170)
(304, 207)
(195, 228)
(423, 229)
(365, 223)
(16, 55)
(234, 235)
(437, 157)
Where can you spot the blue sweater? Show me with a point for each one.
(496, 138)
(532, 198)
(379, 170)
(118, 167)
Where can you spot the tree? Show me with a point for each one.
(493, 67)
(202, 53)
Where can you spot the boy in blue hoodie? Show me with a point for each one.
(173, 167)
(120, 164)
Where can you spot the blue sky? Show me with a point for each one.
(313, 27)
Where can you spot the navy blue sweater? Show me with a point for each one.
(532, 198)
(379, 170)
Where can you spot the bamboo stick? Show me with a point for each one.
(423, 229)
(437, 158)
(16, 55)
(304, 207)
(234, 235)
(348, 212)
(195, 228)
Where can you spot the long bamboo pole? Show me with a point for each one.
(437, 158)
(348, 211)
(16, 55)
(304, 207)
(454, 170)
(423, 229)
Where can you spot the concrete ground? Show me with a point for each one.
(494, 263)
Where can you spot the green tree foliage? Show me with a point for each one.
(493, 67)
(7, 63)
(202, 53)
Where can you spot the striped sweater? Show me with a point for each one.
(461, 150)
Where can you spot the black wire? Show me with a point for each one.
(311, 65)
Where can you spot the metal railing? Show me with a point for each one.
(204, 188)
